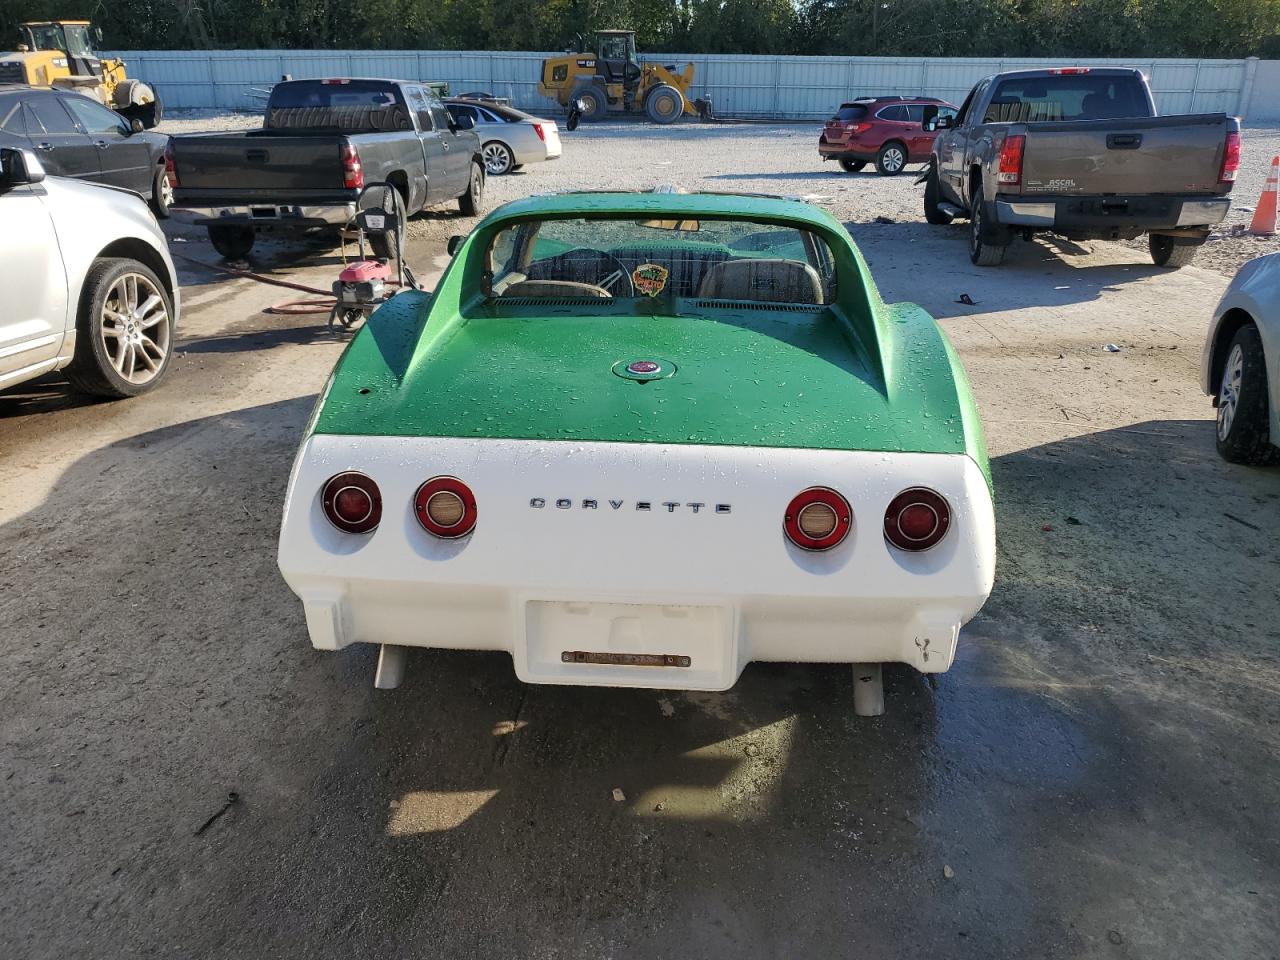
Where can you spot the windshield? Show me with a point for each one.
(1071, 97)
(351, 106)
(737, 260)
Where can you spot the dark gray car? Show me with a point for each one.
(75, 136)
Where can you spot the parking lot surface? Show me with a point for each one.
(1095, 777)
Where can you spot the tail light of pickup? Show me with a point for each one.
(1010, 170)
(352, 170)
(1230, 158)
(170, 170)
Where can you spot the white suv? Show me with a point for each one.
(88, 281)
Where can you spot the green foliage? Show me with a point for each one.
(1101, 28)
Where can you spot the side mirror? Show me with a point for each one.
(464, 122)
(19, 167)
(941, 123)
(136, 125)
(97, 34)
(454, 243)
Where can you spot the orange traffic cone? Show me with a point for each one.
(1264, 217)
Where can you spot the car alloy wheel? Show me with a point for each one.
(894, 160)
(166, 192)
(1229, 393)
(134, 327)
(497, 158)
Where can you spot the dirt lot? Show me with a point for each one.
(1096, 777)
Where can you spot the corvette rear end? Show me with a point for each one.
(735, 453)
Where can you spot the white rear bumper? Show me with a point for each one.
(579, 593)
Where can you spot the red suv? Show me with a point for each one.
(887, 130)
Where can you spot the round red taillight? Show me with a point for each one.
(352, 502)
(445, 507)
(817, 519)
(916, 519)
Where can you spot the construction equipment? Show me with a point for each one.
(608, 79)
(59, 53)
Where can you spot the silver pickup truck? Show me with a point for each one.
(1079, 152)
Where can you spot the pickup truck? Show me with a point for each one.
(321, 141)
(1079, 152)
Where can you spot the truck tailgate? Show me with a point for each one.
(1177, 155)
(254, 162)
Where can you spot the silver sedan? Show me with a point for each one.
(509, 138)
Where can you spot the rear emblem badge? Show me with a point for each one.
(644, 370)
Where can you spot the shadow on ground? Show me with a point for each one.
(1093, 778)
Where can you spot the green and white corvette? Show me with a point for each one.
(642, 440)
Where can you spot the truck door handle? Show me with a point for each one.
(1124, 141)
(44, 146)
(101, 144)
(256, 156)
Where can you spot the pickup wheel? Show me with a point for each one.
(234, 243)
(1173, 252)
(124, 330)
(891, 159)
(472, 202)
(851, 166)
(1243, 427)
(932, 190)
(385, 246)
(988, 242)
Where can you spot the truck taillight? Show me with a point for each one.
(1230, 158)
(1011, 159)
(171, 172)
(1068, 71)
(352, 171)
(542, 134)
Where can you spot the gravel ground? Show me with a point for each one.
(772, 158)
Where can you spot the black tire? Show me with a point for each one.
(161, 195)
(472, 202)
(988, 242)
(1173, 252)
(145, 339)
(851, 166)
(595, 102)
(1243, 428)
(234, 243)
(892, 159)
(932, 194)
(664, 104)
(384, 246)
(498, 158)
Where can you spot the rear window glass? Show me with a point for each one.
(1072, 97)
(734, 260)
(851, 111)
(352, 106)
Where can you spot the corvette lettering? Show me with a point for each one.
(671, 506)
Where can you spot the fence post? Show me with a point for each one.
(1246, 88)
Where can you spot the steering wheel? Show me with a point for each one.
(610, 273)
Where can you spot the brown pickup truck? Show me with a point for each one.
(1079, 152)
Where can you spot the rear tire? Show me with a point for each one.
(472, 202)
(988, 242)
(892, 159)
(124, 330)
(234, 243)
(498, 158)
(161, 195)
(851, 166)
(384, 246)
(1172, 252)
(932, 189)
(664, 104)
(1243, 427)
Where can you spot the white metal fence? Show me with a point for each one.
(739, 86)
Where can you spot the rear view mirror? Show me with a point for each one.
(454, 243)
(19, 167)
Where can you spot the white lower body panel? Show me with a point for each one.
(581, 591)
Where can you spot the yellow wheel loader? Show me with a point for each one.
(59, 53)
(608, 79)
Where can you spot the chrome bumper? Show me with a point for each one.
(270, 214)
(1031, 213)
